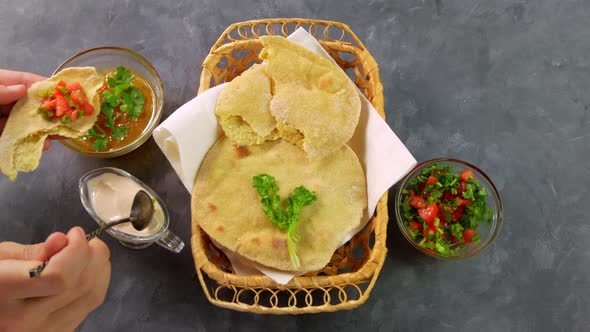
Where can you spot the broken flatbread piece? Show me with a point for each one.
(21, 143)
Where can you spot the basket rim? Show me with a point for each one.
(370, 269)
(235, 26)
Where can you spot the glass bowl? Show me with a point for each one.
(163, 236)
(110, 57)
(488, 234)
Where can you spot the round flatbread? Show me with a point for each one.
(21, 143)
(315, 104)
(242, 108)
(228, 208)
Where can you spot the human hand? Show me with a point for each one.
(73, 284)
(13, 86)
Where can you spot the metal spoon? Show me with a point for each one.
(141, 214)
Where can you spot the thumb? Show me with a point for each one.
(11, 93)
(37, 252)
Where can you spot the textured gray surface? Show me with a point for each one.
(502, 84)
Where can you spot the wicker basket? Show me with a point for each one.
(348, 279)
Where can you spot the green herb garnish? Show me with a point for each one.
(288, 218)
(119, 132)
(121, 95)
(101, 139)
(122, 78)
(133, 102)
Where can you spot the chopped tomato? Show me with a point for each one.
(415, 226)
(428, 231)
(458, 213)
(87, 108)
(429, 213)
(462, 188)
(78, 98)
(65, 103)
(431, 180)
(48, 104)
(447, 196)
(57, 90)
(418, 202)
(468, 235)
(61, 105)
(465, 202)
(411, 193)
(466, 175)
(73, 86)
(454, 239)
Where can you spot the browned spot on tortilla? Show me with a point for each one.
(326, 82)
(256, 241)
(279, 243)
(212, 207)
(272, 86)
(220, 228)
(242, 152)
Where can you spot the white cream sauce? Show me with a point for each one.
(111, 197)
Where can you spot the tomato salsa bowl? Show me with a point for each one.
(448, 209)
(132, 100)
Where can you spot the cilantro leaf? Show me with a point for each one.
(100, 144)
(100, 139)
(107, 110)
(93, 134)
(133, 102)
(110, 99)
(288, 218)
(119, 132)
(122, 76)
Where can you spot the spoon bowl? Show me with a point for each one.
(142, 209)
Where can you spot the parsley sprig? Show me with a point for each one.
(288, 218)
(122, 95)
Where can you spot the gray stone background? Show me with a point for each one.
(500, 83)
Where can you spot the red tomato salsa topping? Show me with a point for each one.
(443, 210)
(65, 102)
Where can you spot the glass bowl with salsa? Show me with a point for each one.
(448, 208)
(131, 101)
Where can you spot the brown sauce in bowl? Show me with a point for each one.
(136, 126)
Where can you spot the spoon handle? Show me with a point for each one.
(104, 227)
(35, 272)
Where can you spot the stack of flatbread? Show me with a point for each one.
(289, 117)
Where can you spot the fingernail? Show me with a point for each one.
(75, 230)
(80, 231)
(15, 88)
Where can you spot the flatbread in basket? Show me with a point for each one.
(228, 208)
